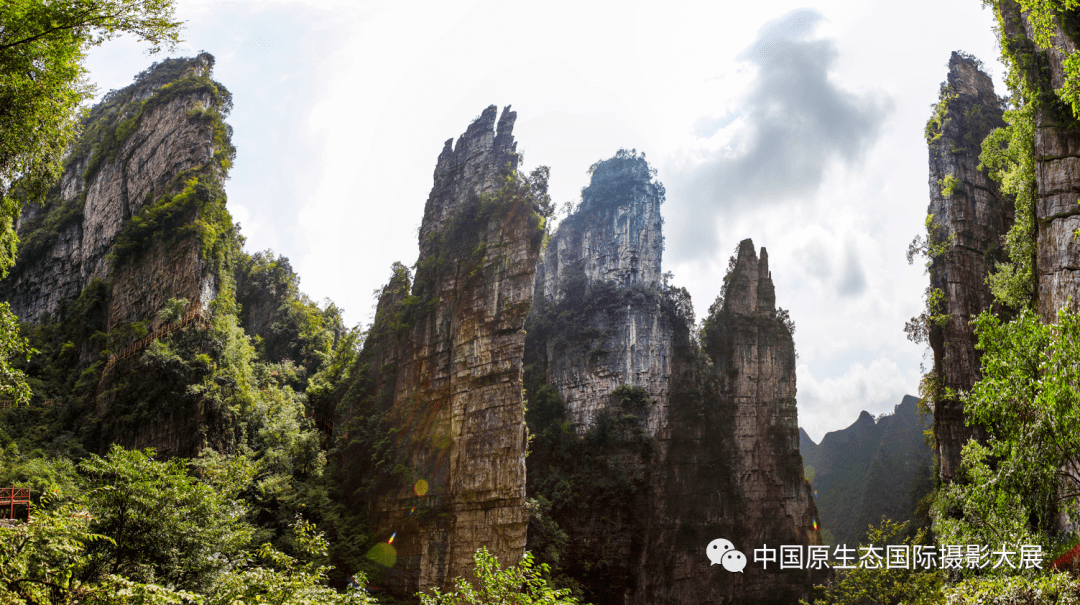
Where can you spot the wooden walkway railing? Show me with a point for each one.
(15, 495)
(195, 313)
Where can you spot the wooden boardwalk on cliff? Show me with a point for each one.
(192, 315)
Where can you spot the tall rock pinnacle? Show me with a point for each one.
(644, 451)
(442, 369)
(967, 210)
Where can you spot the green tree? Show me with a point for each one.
(976, 508)
(42, 82)
(165, 526)
(1052, 589)
(42, 561)
(875, 586)
(132, 530)
(13, 387)
(285, 579)
(519, 584)
(1029, 398)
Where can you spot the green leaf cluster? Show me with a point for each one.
(521, 584)
(867, 586)
(1029, 395)
(1008, 156)
(131, 529)
(1051, 589)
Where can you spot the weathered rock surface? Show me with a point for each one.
(616, 237)
(165, 143)
(601, 323)
(446, 351)
(141, 146)
(966, 206)
(717, 454)
(1057, 165)
(732, 467)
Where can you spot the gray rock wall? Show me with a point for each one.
(166, 142)
(615, 236)
(966, 206)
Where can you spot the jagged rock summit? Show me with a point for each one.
(442, 368)
(967, 209)
(617, 389)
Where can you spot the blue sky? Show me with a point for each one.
(796, 124)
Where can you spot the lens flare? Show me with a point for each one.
(815, 524)
(383, 554)
(391, 540)
(421, 487)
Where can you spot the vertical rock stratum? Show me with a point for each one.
(440, 374)
(141, 143)
(644, 451)
(1057, 156)
(137, 219)
(967, 212)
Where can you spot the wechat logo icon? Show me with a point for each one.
(723, 552)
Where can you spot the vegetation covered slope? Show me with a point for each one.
(872, 469)
(194, 381)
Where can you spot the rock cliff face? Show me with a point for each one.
(967, 208)
(137, 219)
(138, 140)
(644, 453)
(601, 336)
(445, 374)
(1057, 161)
(733, 466)
(614, 238)
(616, 234)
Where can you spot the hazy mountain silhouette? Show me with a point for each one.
(871, 469)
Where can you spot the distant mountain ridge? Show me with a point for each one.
(870, 469)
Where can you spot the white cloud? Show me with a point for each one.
(829, 404)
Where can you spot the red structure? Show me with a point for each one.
(1064, 560)
(15, 495)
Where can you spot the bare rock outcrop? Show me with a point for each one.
(969, 215)
(442, 368)
(138, 141)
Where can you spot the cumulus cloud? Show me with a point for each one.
(794, 124)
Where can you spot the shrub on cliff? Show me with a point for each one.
(521, 584)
